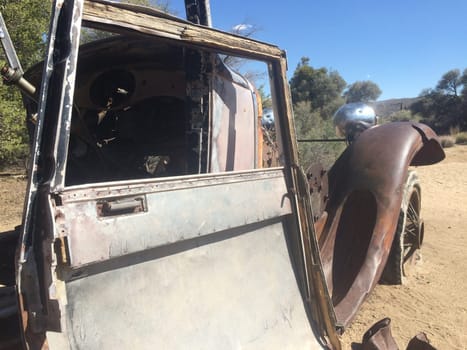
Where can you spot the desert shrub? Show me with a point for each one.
(310, 125)
(447, 141)
(461, 138)
(404, 116)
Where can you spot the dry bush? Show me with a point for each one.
(447, 141)
(461, 138)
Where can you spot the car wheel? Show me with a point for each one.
(405, 250)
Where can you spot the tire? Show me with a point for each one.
(405, 250)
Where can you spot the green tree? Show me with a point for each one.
(463, 81)
(27, 22)
(445, 106)
(362, 91)
(319, 86)
(266, 100)
(450, 82)
(448, 107)
(316, 95)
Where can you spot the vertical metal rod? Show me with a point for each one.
(207, 10)
(199, 12)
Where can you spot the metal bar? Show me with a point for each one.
(322, 140)
(15, 76)
(207, 11)
(12, 73)
(8, 47)
(198, 12)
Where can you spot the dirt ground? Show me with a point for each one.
(434, 300)
(12, 192)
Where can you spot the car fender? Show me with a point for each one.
(366, 186)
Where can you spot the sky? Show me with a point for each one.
(404, 46)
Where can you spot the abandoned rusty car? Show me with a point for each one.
(161, 214)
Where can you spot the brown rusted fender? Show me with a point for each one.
(365, 193)
(379, 337)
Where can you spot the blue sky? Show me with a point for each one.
(402, 45)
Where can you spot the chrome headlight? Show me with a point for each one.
(353, 118)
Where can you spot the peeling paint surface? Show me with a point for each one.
(170, 216)
(239, 292)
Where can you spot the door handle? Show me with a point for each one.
(121, 206)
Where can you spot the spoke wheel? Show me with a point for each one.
(405, 250)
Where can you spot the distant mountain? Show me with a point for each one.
(385, 108)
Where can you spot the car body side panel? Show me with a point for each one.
(207, 265)
(233, 125)
(365, 193)
(233, 290)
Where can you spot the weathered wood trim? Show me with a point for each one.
(103, 15)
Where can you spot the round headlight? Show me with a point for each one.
(267, 121)
(353, 118)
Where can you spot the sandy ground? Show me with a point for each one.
(12, 193)
(434, 300)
